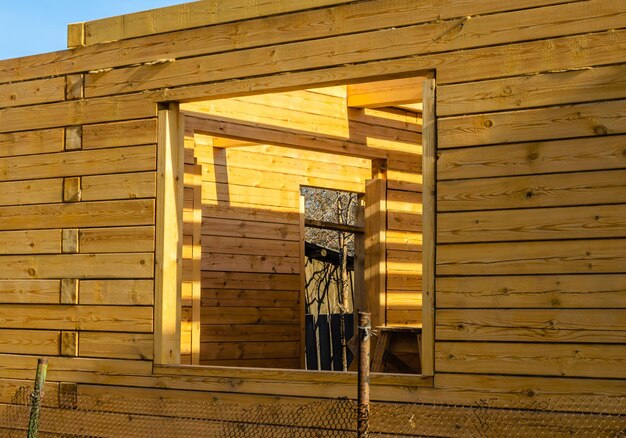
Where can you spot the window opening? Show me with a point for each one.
(343, 161)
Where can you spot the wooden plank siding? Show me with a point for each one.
(529, 190)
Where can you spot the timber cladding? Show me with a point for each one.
(531, 236)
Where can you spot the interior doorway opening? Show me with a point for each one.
(333, 275)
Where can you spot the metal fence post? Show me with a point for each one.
(363, 414)
(36, 397)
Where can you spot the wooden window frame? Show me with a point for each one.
(168, 263)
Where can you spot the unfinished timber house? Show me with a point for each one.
(160, 181)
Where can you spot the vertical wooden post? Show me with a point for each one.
(360, 294)
(169, 231)
(37, 396)
(363, 414)
(375, 249)
(302, 307)
(196, 306)
(429, 208)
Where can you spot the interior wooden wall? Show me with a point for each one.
(251, 303)
(531, 256)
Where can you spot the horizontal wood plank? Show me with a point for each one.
(116, 292)
(171, 18)
(249, 298)
(43, 342)
(139, 265)
(249, 332)
(238, 245)
(30, 291)
(533, 224)
(563, 257)
(78, 215)
(583, 120)
(584, 188)
(118, 239)
(79, 370)
(242, 280)
(118, 160)
(249, 315)
(115, 345)
(62, 317)
(555, 88)
(249, 229)
(536, 291)
(76, 112)
(32, 142)
(249, 350)
(30, 242)
(528, 391)
(598, 153)
(32, 92)
(567, 360)
(214, 261)
(119, 134)
(39, 191)
(119, 186)
(532, 325)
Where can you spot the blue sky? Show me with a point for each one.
(29, 27)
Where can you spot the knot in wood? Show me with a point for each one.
(601, 130)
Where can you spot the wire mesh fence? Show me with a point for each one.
(114, 414)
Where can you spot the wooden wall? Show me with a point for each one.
(532, 109)
(531, 258)
(77, 220)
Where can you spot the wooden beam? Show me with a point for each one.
(223, 142)
(75, 35)
(169, 223)
(224, 127)
(183, 16)
(375, 253)
(196, 306)
(413, 107)
(385, 93)
(429, 184)
(302, 296)
(333, 226)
